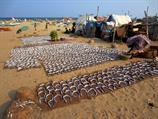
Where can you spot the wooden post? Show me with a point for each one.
(147, 22)
(97, 11)
(147, 33)
(113, 39)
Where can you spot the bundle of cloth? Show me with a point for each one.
(138, 44)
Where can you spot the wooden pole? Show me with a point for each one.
(147, 22)
(113, 39)
(147, 32)
(86, 17)
(97, 11)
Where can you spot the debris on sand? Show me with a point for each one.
(24, 106)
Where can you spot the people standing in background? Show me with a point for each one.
(90, 29)
(35, 26)
(66, 30)
(98, 29)
(46, 27)
(69, 30)
(73, 27)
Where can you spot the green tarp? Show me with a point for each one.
(23, 28)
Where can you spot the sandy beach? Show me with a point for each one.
(131, 102)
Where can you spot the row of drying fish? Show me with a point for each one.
(53, 94)
(36, 40)
(59, 58)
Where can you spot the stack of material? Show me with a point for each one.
(140, 27)
(153, 28)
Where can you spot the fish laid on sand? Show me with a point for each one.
(36, 40)
(59, 58)
(53, 94)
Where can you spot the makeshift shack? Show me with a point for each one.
(139, 26)
(116, 23)
(153, 27)
(90, 29)
(81, 24)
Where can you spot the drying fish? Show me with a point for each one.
(59, 58)
(91, 85)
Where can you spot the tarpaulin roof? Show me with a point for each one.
(83, 19)
(120, 19)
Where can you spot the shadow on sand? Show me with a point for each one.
(5, 106)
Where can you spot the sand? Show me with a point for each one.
(126, 103)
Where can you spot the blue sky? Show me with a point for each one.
(60, 8)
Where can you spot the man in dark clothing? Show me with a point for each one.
(98, 29)
(73, 27)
